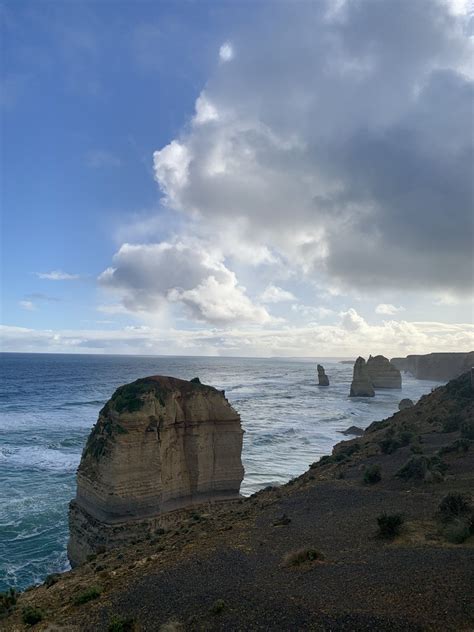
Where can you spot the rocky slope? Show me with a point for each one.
(315, 554)
(382, 373)
(436, 366)
(160, 444)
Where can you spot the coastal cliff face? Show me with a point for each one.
(382, 373)
(361, 384)
(160, 445)
(435, 366)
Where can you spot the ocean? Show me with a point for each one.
(48, 404)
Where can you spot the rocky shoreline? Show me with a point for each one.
(309, 555)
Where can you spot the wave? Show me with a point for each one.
(39, 458)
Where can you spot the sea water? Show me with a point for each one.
(48, 404)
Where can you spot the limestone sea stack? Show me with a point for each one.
(361, 385)
(323, 379)
(382, 373)
(160, 445)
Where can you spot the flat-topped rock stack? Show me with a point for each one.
(382, 373)
(160, 445)
(323, 379)
(361, 384)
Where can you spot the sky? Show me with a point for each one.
(282, 178)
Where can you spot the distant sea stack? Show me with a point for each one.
(323, 379)
(160, 444)
(382, 373)
(440, 367)
(361, 385)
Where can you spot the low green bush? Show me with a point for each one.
(454, 506)
(389, 525)
(121, 624)
(458, 531)
(8, 601)
(218, 606)
(31, 615)
(452, 423)
(467, 430)
(88, 595)
(372, 474)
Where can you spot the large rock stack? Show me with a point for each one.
(382, 373)
(361, 385)
(160, 445)
(323, 379)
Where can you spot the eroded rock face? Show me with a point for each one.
(323, 379)
(436, 366)
(405, 403)
(382, 373)
(160, 444)
(361, 384)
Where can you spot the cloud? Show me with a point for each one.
(388, 309)
(392, 338)
(357, 174)
(57, 275)
(226, 52)
(150, 277)
(98, 159)
(312, 312)
(29, 306)
(275, 294)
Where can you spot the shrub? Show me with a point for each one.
(415, 468)
(31, 615)
(416, 449)
(347, 451)
(451, 424)
(458, 531)
(372, 475)
(7, 601)
(217, 607)
(460, 445)
(467, 430)
(453, 506)
(51, 580)
(120, 624)
(405, 437)
(88, 595)
(388, 446)
(389, 525)
(300, 556)
(195, 380)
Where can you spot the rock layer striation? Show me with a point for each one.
(160, 445)
(382, 373)
(361, 384)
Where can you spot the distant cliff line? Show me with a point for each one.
(436, 366)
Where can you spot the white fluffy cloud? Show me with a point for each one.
(226, 52)
(388, 309)
(57, 275)
(147, 277)
(274, 294)
(340, 150)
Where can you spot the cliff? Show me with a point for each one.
(377, 536)
(160, 445)
(435, 366)
(361, 383)
(382, 373)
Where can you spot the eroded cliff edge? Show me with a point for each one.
(160, 445)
